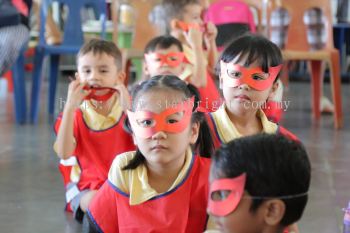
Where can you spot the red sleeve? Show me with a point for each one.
(287, 134)
(102, 210)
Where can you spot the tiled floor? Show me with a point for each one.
(32, 195)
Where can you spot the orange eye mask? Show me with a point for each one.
(235, 75)
(103, 97)
(187, 26)
(223, 206)
(171, 59)
(145, 123)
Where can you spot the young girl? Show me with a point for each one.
(163, 186)
(248, 70)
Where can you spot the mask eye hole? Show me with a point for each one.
(146, 123)
(234, 74)
(220, 195)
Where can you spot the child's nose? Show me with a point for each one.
(244, 86)
(159, 135)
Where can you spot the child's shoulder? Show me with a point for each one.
(285, 132)
(122, 159)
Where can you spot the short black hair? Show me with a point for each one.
(173, 9)
(258, 48)
(98, 46)
(275, 167)
(162, 42)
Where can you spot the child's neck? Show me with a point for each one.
(104, 107)
(247, 123)
(162, 177)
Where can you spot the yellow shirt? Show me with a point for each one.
(97, 121)
(135, 182)
(227, 130)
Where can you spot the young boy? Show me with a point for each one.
(164, 56)
(184, 22)
(259, 184)
(91, 126)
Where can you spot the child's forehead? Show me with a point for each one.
(97, 58)
(171, 48)
(158, 100)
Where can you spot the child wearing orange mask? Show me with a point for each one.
(163, 186)
(184, 22)
(259, 184)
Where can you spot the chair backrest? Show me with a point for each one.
(297, 30)
(73, 34)
(144, 30)
(230, 11)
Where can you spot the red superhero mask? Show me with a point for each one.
(187, 26)
(145, 123)
(171, 59)
(93, 95)
(235, 75)
(224, 206)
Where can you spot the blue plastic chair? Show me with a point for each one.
(72, 41)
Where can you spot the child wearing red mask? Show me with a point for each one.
(184, 22)
(258, 183)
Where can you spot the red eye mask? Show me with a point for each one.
(187, 26)
(171, 59)
(103, 97)
(235, 75)
(145, 123)
(236, 188)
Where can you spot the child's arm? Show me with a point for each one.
(65, 142)
(195, 40)
(209, 38)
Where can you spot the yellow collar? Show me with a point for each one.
(135, 182)
(227, 131)
(96, 121)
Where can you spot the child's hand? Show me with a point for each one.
(124, 96)
(210, 33)
(76, 94)
(194, 38)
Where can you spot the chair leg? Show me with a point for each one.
(316, 84)
(19, 90)
(336, 90)
(54, 62)
(34, 106)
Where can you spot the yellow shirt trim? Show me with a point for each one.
(135, 182)
(97, 121)
(227, 130)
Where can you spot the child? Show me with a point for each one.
(92, 131)
(163, 186)
(258, 184)
(184, 23)
(164, 56)
(248, 70)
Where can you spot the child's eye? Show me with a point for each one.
(172, 121)
(104, 71)
(260, 76)
(146, 123)
(234, 74)
(173, 58)
(86, 71)
(220, 195)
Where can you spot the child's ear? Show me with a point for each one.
(194, 132)
(274, 212)
(174, 24)
(275, 91)
(145, 68)
(121, 78)
(221, 82)
(77, 76)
